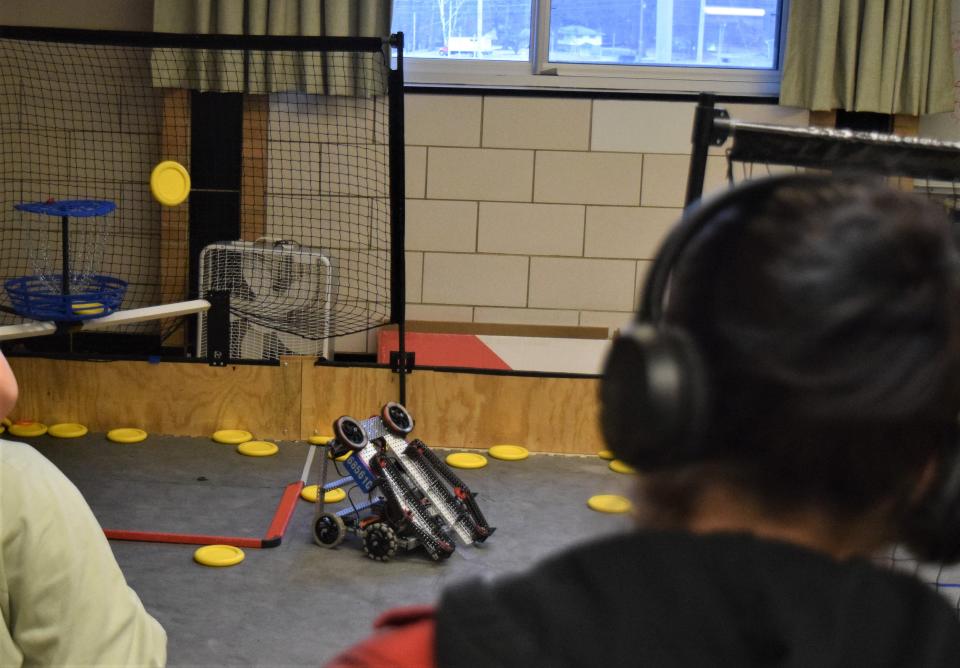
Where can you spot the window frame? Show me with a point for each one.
(539, 73)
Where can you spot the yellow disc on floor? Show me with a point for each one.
(67, 430)
(28, 429)
(126, 435)
(466, 460)
(258, 448)
(609, 503)
(309, 493)
(606, 454)
(621, 467)
(170, 183)
(509, 453)
(218, 555)
(88, 308)
(232, 436)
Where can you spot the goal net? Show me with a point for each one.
(294, 149)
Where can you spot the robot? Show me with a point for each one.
(413, 498)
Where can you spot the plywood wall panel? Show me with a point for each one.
(179, 399)
(479, 410)
(297, 399)
(329, 392)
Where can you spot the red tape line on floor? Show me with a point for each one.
(278, 527)
(288, 503)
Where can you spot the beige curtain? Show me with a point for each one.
(887, 56)
(355, 74)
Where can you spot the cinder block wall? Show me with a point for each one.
(535, 210)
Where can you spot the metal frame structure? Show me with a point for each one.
(814, 147)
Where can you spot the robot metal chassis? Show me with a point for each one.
(414, 499)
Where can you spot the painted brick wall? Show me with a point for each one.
(543, 210)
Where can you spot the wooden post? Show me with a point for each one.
(175, 220)
(824, 119)
(253, 181)
(905, 125)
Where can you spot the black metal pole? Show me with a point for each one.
(702, 130)
(218, 327)
(401, 336)
(398, 291)
(65, 249)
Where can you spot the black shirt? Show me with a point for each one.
(682, 599)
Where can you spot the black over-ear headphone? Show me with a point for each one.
(656, 395)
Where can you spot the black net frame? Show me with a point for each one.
(87, 114)
(823, 148)
(756, 150)
(935, 163)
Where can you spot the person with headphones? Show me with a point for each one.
(789, 393)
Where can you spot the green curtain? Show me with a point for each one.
(887, 56)
(354, 74)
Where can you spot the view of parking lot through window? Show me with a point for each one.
(707, 33)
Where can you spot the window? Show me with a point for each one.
(725, 45)
(485, 29)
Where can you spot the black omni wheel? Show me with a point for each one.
(397, 418)
(380, 541)
(329, 530)
(349, 432)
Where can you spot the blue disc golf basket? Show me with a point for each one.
(64, 297)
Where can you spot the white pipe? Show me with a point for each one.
(146, 313)
(26, 330)
(31, 329)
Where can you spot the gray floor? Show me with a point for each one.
(299, 604)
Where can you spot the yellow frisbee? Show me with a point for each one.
(232, 436)
(127, 435)
(88, 308)
(67, 430)
(509, 453)
(28, 429)
(466, 460)
(170, 183)
(609, 503)
(257, 448)
(606, 454)
(309, 493)
(621, 467)
(218, 555)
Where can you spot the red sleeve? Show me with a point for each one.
(404, 640)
